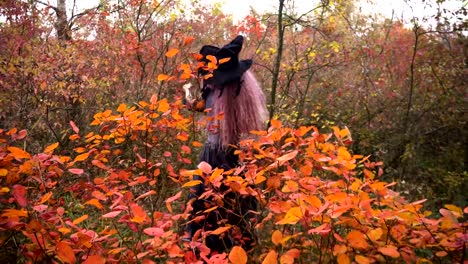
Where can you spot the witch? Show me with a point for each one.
(235, 105)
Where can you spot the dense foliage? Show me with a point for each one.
(97, 150)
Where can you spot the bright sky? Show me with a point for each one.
(405, 9)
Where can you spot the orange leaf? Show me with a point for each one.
(50, 149)
(276, 237)
(95, 259)
(80, 219)
(271, 258)
(286, 157)
(3, 172)
(196, 144)
(122, 107)
(220, 230)
(45, 198)
(171, 52)
(238, 255)
(163, 77)
(343, 259)
(390, 251)
(188, 40)
(357, 240)
(19, 153)
(275, 123)
(224, 60)
(163, 106)
(363, 260)
(139, 214)
(65, 252)
(175, 251)
(14, 213)
(212, 59)
(95, 202)
(82, 157)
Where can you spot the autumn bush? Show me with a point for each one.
(120, 197)
(97, 152)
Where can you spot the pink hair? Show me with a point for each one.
(242, 113)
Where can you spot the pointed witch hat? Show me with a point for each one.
(231, 70)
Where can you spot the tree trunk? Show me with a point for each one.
(61, 26)
(276, 69)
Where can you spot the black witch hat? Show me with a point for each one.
(229, 71)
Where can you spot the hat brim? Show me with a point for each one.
(221, 77)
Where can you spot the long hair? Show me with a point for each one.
(243, 112)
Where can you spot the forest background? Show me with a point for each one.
(91, 117)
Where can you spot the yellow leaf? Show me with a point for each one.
(3, 172)
(171, 52)
(238, 255)
(271, 258)
(64, 230)
(191, 183)
(220, 230)
(375, 234)
(50, 149)
(80, 219)
(454, 209)
(292, 216)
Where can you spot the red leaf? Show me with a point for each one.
(111, 214)
(154, 231)
(145, 195)
(19, 193)
(76, 171)
(74, 127)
